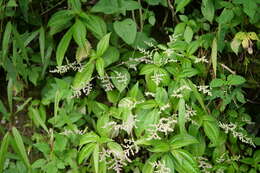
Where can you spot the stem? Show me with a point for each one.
(141, 16)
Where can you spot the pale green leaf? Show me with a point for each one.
(214, 52)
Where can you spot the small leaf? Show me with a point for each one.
(42, 43)
(235, 80)
(6, 39)
(120, 78)
(235, 44)
(181, 115)
(103, 45)
(96, 157)
(3, 150)
(63, 46)
(84, 76)
(182, 140)
(214, 52)
(188, 34)
(181, 4)
(83, 52)
(88, 138)
(37, 118)
(126, 29)
(79, 33)
(212, 131)
(19, 143)
(217, 83)
(60, 18)
(85, 152)
(207, 9)
(100, 67)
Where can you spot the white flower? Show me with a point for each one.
(160, 167)
(202, 59)
(157, 78)
(205, 89)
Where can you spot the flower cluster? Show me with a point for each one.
(86, 89)
(157, 78)
(106, 84)
(165, 125)
(205, 89)
(177, 93)
(233, 129)
(204, 164)
(189, 112)
(75, 66)
(202, 59)
(160, 167)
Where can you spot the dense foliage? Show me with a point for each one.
(137, 86)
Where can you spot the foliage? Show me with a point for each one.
(97, 86)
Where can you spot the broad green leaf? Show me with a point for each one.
(89, 138)
(79, 33)
(60, 143)
(161, 96)
(75, 5)
(42, 43)
(6, 40)
(111, 55)
(126, 29)
(235, 44)
(3, 150)
(96, 157)
(148, 167)
(167, 159)
(181, 115)
(226, 16)
(24, 6)
(95, 24)
(60, 18)
(120, 78)
(235, 80)
(214, 52)
(19, 143)
(85, 152)
(103, 45)
(10, 88)
(181, 4)
(212, 130)
(159, 146)
(83, 52)
(84, 76)
(63, 46)
(182, 140)
(20, 43)
(147, 69)
(208, 9)
(188, 34)
(37, 118)
(184, 162)
(100, 66)
(217, 83)
(197, 94)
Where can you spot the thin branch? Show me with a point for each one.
(227, 68)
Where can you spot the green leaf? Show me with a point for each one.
(226, 16)
(167, 159)
(188, 34)
(95, 24)
(75, 5)
(19, 143)
(208, 9)
(10, 94)
(181, 115)
(60, 143)
(88, 138)
(63, 46)
(212, 130)
(184, 162)
(42, 43)
(24, 6)
(182, 140)
(60, 18)
(103, 44)
(181, 4)
(100, 66)
(161, 96)
(6, 40)
(217, 83)
(159, 146)
(126, 29)
(235, 44)
(37, 118)
(79, 33)
(235, 80)
(84, 76)
(214, 52)
(20, 43)
(3, 150)
(111, 55)
(85, 152)
(120, 78)
(96, 157)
